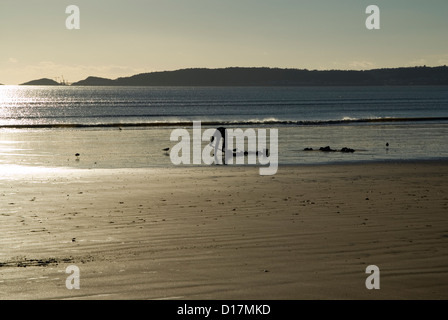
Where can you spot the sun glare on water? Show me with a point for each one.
(2, 95)
(10, 97)
(7, 94)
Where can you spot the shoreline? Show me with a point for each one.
(26, 170)
(308, 232)
(143, 147)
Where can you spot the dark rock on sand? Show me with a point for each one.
(326, 149)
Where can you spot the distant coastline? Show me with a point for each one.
(271, 77)
(41, 82)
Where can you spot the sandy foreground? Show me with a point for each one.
(220, 232)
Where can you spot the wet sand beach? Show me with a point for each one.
(223, 232)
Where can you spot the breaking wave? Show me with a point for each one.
(181, 123)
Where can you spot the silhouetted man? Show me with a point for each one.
(221, 135)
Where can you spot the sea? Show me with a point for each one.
(128, 127)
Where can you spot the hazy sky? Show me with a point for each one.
(125, 37)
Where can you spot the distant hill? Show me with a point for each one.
(95, 81)
(279, 77)
(41, 82)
